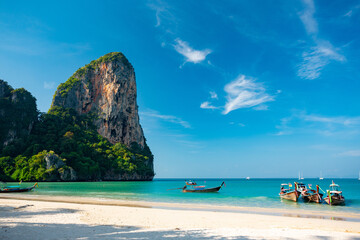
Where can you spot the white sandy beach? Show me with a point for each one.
(83, 218)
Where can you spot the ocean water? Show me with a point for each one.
(237, 192)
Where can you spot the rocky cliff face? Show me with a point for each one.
(105, 88)
(18, 113)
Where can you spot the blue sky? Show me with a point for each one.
(230, 89)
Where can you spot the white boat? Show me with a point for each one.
(321, 177)
(247, 178)
(301, 176)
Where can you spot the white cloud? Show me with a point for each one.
(346, 121)
(166, 118)
(261, 107)
(190, 54)
(282, 133)
(303, 123)
(207, 105)
(161, 12)
(238, 124)
(244, 92)
(316, 59)
(49, 85)
(213, 95)
(307, 17)
(352, 153)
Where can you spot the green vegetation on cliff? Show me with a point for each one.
(65, 146)
(18, 113)
(64, 88)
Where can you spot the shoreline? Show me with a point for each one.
(31, 219)
(54, 218)
(295, 213)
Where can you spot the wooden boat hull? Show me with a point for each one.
(291, 196)
(335, 201)
(312, 196)
(317, 198)
(206, 190)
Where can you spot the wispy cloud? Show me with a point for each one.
(49, 85)
(161, 12)
(166, 118)
(244, 92)
(321, 53)
(207, 105)
(307, 17)
(261, 107)
(190, 54)
(302, 123)
(352, 11)
(346, 121)
(351, 153)
(315, 59)
(237, 124)
(213, 95)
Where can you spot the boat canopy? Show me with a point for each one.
(335, 188)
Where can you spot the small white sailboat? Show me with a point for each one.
(321, 177)
(359, 176)
(247, 178)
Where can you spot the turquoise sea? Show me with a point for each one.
(237, 192)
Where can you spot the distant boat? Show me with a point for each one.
(247, 178)
(13, 189)
(190, 182)
(301, 177)
(359, 176)
(202, 189)
(334, 195)
(321, 177)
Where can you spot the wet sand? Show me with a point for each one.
(45, 217)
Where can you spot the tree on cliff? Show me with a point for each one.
(72, 134)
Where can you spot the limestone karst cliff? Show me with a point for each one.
(107, 88)
(91, 132)
(17, 114)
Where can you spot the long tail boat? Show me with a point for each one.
(13, 189)
(334, 195)
(311, 195)
(288, 193)
(308, 194)
(202, 189)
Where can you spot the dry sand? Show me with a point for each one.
(85, 218)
